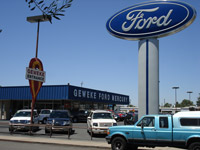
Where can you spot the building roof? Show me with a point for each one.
(63, 92)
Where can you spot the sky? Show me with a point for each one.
(78, 49)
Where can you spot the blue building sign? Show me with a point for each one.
(84, 94)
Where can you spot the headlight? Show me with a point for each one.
(114, 124)
(11, 121)
(66, 123)
(27, 121)
(49, 122)
(108, 132)
(95, 124)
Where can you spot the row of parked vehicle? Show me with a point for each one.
(55, 120)
(98, 121)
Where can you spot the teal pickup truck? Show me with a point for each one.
(181, 130)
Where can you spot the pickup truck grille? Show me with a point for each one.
(19, 121)
(105, 124)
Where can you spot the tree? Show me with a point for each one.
(186, 103)
(54, 8)
(198, 101)
(177, 104)
(167, 105)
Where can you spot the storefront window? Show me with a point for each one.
(101, 106)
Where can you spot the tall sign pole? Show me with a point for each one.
(148, 76)
(147, 22)
(35, 73)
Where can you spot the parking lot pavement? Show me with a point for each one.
(71, 142)
(33, 139)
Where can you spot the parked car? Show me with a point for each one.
(121, 116)
(23, 117)
(59, 120)
(99, 120)
(181, 130)
(80, 116)
(131, 118)
(115, 115)
(44, 114)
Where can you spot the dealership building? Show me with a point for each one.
(13, 98)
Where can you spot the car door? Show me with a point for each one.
(145, 131)
(164, 131)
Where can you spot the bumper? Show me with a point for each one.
(99, 130)
(59, 128)
(108, 139)
(21, 127)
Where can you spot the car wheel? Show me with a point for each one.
(194, 146)
(47, 131)
(10, 129)
(118, 143)
(44, 121)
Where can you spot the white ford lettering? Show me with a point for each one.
(137, 18)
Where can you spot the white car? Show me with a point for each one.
(23, 117)
(44, 114)
(99, 121)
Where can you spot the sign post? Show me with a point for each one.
(148, 76)
(146, 22)
(35, 80)
(35, 73)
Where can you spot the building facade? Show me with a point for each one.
(13, 98)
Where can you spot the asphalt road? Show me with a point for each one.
(33, 146)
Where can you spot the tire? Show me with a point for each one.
(10, 129)
(47, 131)
(44, 121)
(194, 146)
(118, 143)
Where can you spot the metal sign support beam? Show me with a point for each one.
(148, 77)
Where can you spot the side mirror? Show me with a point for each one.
(142, 126)
(89, 118)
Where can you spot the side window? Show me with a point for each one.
(147, 122)
(190, 121)
(163, 122)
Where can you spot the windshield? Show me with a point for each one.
(102, 116)
(59, 114)
(23, 114)
(45, 112)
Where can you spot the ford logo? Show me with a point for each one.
(151, 20)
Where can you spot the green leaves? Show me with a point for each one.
(53, 8)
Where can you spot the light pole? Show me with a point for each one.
(37, 19)
(176, 87)
(189, 92)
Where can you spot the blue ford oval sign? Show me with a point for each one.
(151, 20)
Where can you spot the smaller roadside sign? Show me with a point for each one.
(35, 74)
